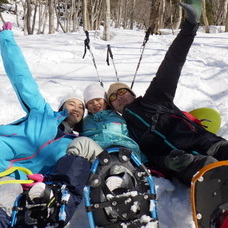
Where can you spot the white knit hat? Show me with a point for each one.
(68, 96)
(94, 90)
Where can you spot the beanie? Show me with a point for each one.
(68, 96)
(94, 90)
(118, 85)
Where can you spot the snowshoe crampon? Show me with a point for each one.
(209, 196)
(41, 212)
(120, 191)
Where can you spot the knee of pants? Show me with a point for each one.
(198, 163)
(84, 147)
(10, 192)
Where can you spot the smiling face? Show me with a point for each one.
(121, 100)
(75, 110)
(96, 105)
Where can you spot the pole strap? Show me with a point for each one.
(109, 53)
(86, 44)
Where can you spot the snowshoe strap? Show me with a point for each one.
(118, 202)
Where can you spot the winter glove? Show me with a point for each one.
(7, 26)
(192, 10)
(36, 177)
(178, 160)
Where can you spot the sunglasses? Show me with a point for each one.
(119, 92)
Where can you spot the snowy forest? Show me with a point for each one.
(50, 16)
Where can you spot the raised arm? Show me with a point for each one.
(163, 86)
(19, 74)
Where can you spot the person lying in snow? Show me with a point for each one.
(102, 124)
(40, 139)
(170, 141)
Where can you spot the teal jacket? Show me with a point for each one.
(31, 141)
(108, 128)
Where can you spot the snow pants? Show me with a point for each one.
(73, 171)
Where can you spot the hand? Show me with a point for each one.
(36, 177)
(178, 160)
(192, 10)
(7, 26)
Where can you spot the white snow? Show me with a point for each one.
(57, 65)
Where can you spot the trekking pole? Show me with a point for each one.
(146, 38)
(86, 42)
(109, 53)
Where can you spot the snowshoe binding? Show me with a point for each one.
(120, 191)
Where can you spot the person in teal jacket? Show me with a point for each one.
(40, 139)
(102, 124)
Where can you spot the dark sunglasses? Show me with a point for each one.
(119, 92)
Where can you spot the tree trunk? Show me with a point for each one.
(51, 17)
(107, 21)
(28, 17)
(85, 15)
(1, 17)
(226, 18)
(205, 20)
(16, 11)
(132, 14)
(154, 16)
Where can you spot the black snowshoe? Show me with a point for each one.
(120, 191)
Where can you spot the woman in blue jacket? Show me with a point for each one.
(40, 139)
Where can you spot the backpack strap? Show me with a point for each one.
(156, 110)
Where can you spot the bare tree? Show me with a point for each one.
(204, 13)
(85, 15)
(51, 17)
(70, 14)
(107, 21)
(154, 16)
(132, 16)
(226, 19)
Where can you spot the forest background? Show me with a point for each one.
(50, 16)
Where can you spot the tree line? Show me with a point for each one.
(68, 15)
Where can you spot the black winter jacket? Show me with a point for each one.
(154, 121)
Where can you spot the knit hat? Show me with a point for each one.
(68, 96)
(118, 85)
(94, 90)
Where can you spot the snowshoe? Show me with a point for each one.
(120, 191)
(209, 196)
(39, 210)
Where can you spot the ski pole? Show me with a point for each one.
(109, 53)
(146, 38)
(86, 42)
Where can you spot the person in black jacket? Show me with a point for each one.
(171, 141)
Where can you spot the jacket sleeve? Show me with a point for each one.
(163, 86)
(19, 74)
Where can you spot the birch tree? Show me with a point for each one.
(51, 17)
(107, 21)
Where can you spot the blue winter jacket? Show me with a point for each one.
(108, 128)
(31, 141)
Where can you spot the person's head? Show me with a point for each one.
(95, 98)
(74, 105)
(120, 95)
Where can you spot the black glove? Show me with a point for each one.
(192, 10)
(178, 160)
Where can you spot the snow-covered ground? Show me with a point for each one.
(57, 65)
